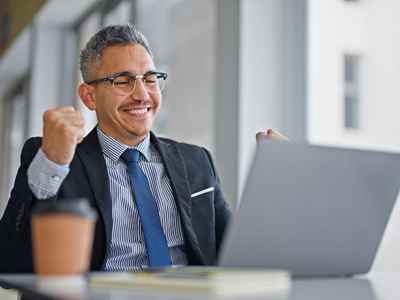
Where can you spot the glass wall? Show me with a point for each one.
(323, 71)
(15, 122)
(182, 37)
(105, 13)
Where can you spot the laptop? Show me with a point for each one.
(313, 210)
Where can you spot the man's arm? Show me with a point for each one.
(45, 176)
(15, 249)
(62, 131)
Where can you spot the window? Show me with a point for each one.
(15, 125)
(351, 95)
(104, 14)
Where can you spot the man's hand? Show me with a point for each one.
(62, 131)
(272, 134)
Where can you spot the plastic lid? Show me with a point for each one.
(74, 206)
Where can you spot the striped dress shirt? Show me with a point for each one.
(127, 250)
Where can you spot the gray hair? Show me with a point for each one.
(125, 34)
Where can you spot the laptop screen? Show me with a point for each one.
(313, 210)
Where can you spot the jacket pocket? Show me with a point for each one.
(203, 196)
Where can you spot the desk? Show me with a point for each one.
(373, 286)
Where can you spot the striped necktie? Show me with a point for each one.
(156, 242)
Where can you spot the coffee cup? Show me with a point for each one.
(62, 236)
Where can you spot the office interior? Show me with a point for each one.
(322, 72)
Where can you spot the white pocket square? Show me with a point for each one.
(203, 192)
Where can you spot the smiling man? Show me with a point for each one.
(121, 167)
(126, 108)
(160, 202)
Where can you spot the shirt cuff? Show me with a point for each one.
(45, 176)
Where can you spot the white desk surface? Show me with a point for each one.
(373, 286)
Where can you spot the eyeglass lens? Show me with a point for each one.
(124, 85)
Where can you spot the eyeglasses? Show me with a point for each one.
(124, 84)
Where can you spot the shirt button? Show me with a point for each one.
(56, 178)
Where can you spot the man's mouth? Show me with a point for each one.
(138, 111)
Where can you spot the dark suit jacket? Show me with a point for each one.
(189, 168)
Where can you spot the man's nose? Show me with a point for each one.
(140, 92)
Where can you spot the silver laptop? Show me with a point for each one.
(316, 211)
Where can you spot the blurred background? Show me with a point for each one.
(322, 71)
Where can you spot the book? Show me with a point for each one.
(205, 280)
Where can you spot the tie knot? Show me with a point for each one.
(130, 156)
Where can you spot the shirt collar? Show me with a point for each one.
(114, 148)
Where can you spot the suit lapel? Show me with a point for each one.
(176, 172)
(91, 155)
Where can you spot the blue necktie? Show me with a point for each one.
(156, 243)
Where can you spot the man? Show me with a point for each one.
(122, 85)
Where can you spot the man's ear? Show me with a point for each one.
(85, 92)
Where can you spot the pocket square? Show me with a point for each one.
(202, 192)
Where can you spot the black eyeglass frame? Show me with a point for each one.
(111, 79)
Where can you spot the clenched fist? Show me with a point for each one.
(62, 131)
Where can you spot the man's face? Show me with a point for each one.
(125, 118)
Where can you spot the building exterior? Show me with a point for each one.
(353, 72)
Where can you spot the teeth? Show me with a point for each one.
(138, 111)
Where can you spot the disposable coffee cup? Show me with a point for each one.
(62, 236)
